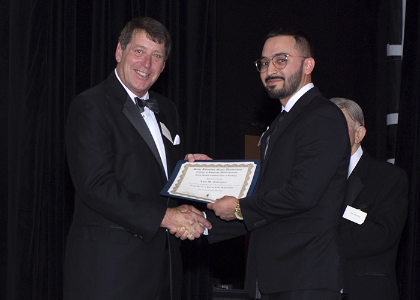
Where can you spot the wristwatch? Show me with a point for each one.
(238, 213)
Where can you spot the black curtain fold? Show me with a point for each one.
(4, 124)
(190, 81)
(39, 209)
(408, 153)
(394, 38)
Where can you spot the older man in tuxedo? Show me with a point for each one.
(374, 217)
(123, 142)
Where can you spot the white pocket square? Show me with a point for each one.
(166, 133)
(177, 140)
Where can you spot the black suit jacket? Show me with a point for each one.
(379, 189)
(116, 248)
(293, 218)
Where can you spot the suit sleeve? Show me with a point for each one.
(91, 151)
(384, 222)
(224, 230)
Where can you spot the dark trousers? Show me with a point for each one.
(170, 281)
(318, 294)
(164, 290)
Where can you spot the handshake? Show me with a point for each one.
(185, 221)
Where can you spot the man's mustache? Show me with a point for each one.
(274, 77)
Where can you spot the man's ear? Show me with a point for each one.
(118, 53)
(360, 134)
(308, 65)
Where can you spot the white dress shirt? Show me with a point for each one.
(150, 119)
(297, 96)
(354, 159)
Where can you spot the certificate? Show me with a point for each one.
(208, 180)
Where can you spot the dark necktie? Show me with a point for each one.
(282, 115)
(151, 104)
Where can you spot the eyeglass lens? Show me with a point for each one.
(279, 62)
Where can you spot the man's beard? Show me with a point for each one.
(289, 88)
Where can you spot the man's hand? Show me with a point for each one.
(182, 232)
(186, 219)
(224, 208)
(197, 156)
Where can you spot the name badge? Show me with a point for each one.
(354, 215)
(166, 133)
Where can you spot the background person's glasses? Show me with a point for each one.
(279, 62)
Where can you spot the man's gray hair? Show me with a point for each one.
(353, 109)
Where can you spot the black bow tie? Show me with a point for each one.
(151, 104)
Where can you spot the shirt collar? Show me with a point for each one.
(354, 159)
(296, 96)
(130, 93)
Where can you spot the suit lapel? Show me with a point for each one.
(118, 94)
(355, 182)
(303, 101)
(267, 133)
(276, 134)
(134, 116)
(353, 188)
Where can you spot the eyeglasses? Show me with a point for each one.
(279, 62)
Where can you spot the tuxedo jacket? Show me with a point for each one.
(293, 218)
(370, 249)
(116, 248)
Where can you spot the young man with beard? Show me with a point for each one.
(293, 218)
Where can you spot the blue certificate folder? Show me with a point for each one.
(251, 190)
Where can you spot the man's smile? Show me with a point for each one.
(144, 75)
(273, 79)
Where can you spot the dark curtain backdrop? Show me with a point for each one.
(408, 153)
(4, 103)
(56, 49)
